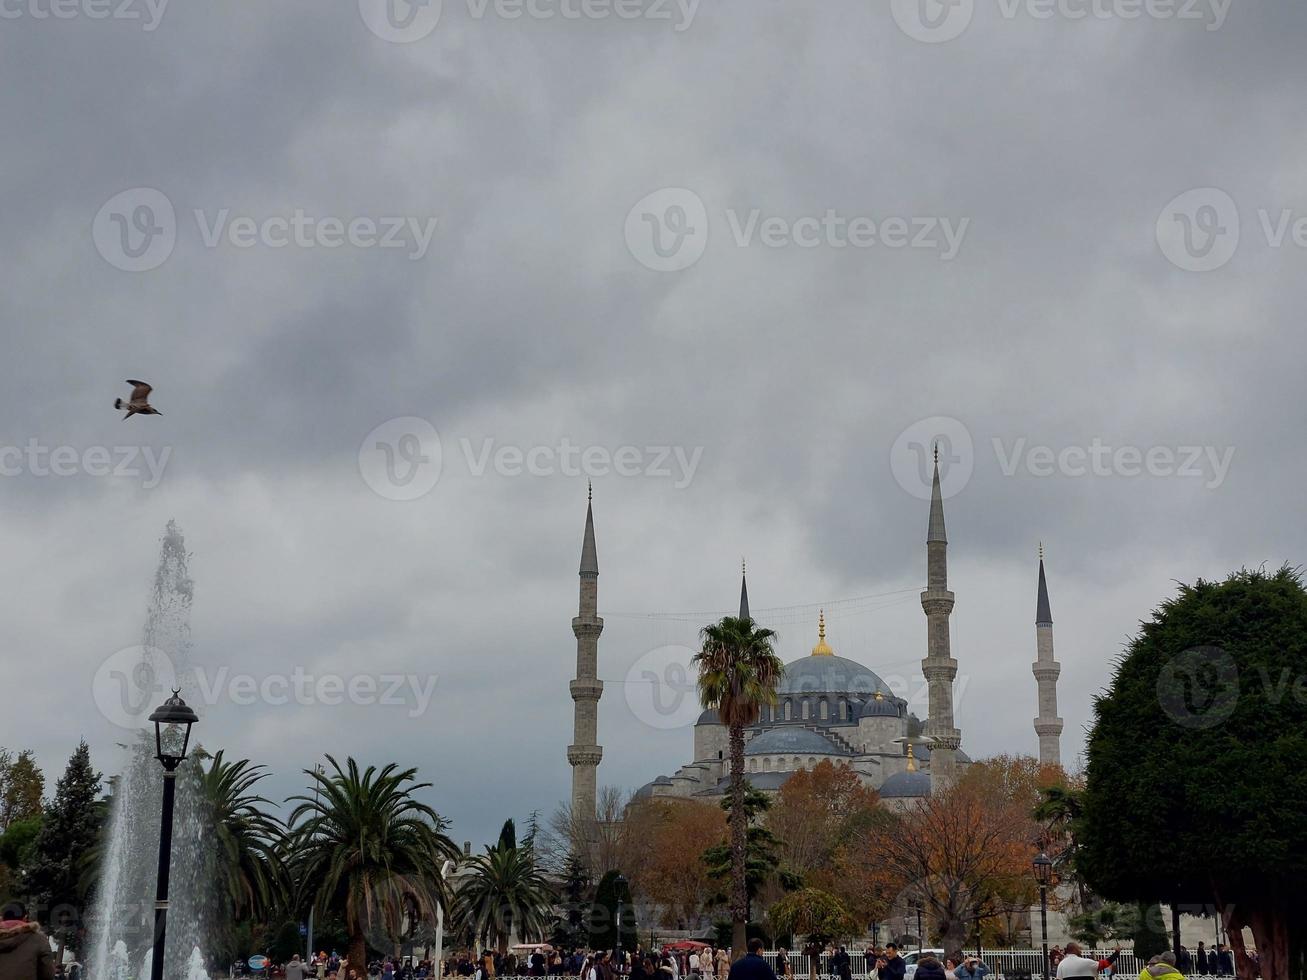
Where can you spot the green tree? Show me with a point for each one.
(570, 929)
(504, 894)
(18, 848)
(613, 891)
(762, 850)
(70, 829)
(738, 674)
(817, 916)
(243, 858)
(1206, 687)
(364, 846)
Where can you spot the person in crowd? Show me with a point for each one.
(295, 969)
(950, 969)
(1161, 968)
(1055, 956)
(842, 964)
(1224, 960)
(971, 968)
(1107, 965)
(751, 966)
(1200, 957)
(929, 968)
(783, 968)
(724, 963)
(1183, 961)
(24, 949)
(1075, 965)
(890, 965)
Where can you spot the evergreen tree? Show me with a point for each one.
(613, 891)
(571, 930)
(70, 829)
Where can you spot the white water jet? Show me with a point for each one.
(122, 922)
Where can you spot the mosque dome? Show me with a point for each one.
(826, 673)
(710, 716)
(788, 740)
(906, 785)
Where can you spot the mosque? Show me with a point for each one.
(828, 708)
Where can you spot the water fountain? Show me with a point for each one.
(122, 922)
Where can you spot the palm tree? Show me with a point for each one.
(504, 894)
(244, 859)
(363, 845)
(738, 673)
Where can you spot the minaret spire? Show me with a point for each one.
(584, 753)
(1048, 726)
(744, 592)
(939, 667)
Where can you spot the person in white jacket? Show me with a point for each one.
(1075, 965)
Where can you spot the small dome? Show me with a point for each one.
(788, 740)
(662, 781)
(879, 706)
(709, 717)
(906, 785)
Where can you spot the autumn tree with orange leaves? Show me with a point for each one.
(665, 841)
(965, 852)
(820, 817)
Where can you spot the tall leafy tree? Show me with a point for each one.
(762, 851)
(570, 929)
(738, 673)
(1195, 790)
(22, 785)
(504, 894)
(814, 915)
(70, 829)
(363, 845)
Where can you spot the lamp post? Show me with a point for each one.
(172, 735)
(921, 937)
(1044, 875)
(619, 886)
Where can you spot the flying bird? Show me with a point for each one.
(139, 403)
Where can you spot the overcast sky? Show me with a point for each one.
(791, 243)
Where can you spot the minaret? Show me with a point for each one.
(1048, 726)
(744, 592)
(939, 667)
(584, 753)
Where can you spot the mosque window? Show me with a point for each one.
(823, 709)
(807, 709)
(811, 762)
(789, 709)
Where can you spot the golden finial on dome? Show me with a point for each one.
(822, 649)
(879, 695)
(912, 758)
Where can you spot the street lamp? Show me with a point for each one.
(172, 735)
(1044, 875)
(619, 886)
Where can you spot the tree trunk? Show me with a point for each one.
(358, 953)
(739, 847)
